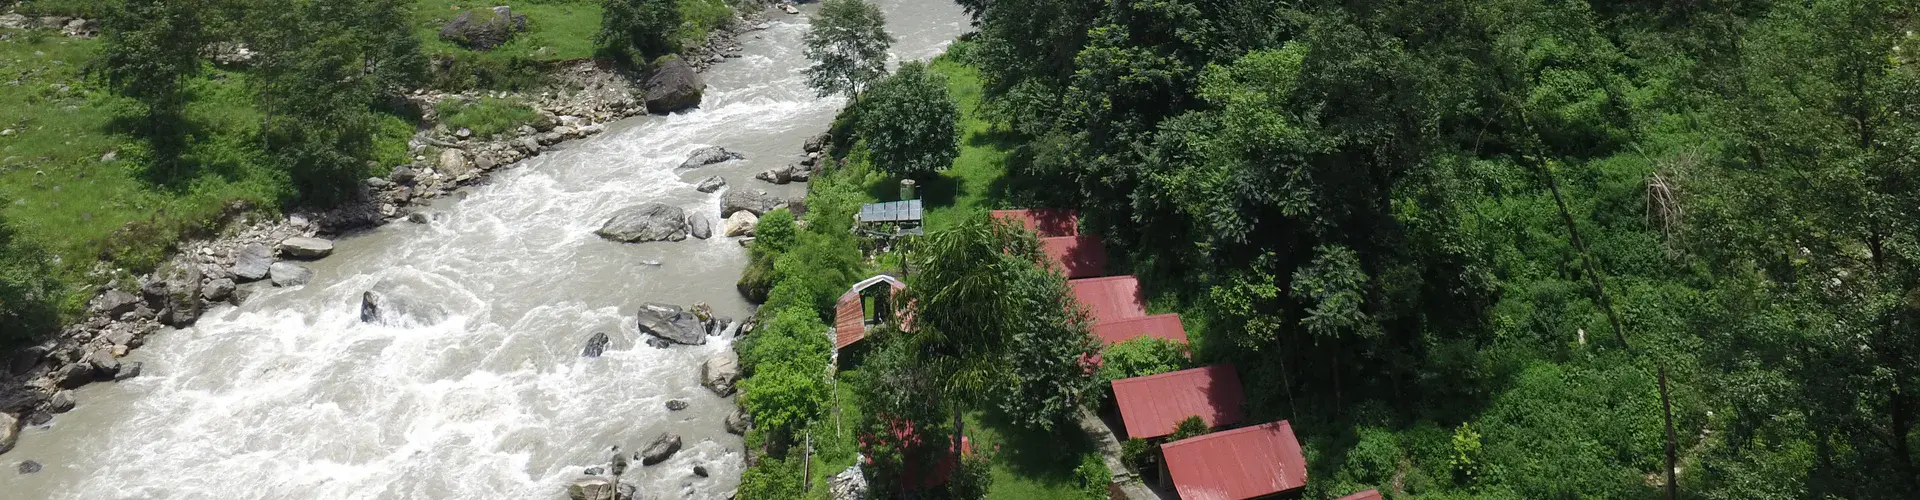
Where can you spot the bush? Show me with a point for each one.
(1093, 476)
(1137, 455)
(639, 27)
(784, 396)
(1189, 427)
(771, 478)
(487, 116)
(1141, 357)
(26, 291)
(791, 336)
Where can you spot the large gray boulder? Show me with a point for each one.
(755, 201)
(289, 274)
(673, 86)
(670, 323)
(710, 155)
(660, 449)
(817, 143)
(738, 421)
(700, 226)
(781, 175)
(218, 290)
(300, 247)
(250, 262)
(598, 488)
(646, 222)
(115, 302)
(73, 375)
(105, 366)
(9, 432)
(710, 184)
(741, 224)
(596, 345)
(182, 295)
(484, 29)
(389, 305)
(720, 373)
(61, 402)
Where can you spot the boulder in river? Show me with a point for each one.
(391, 305)
(218, 290)
(673, 86)
(660, 449)
(105, 366)
(710, 184)
(484, 29)
(289, 274)
(816, 143)
(646, 222)
(129, 370)
(301, 247)
(596, 345)
(250, 262)
(29, 467)
(670, 323)
(180, 295)
(755, 201)
(73, 375)
(700, 226)
(738, 421)
(676, 404)
(709, 155)
(781, 175)
(9, 432)
(720, 373)
(61, 402)
(740, 224)
(598, 488)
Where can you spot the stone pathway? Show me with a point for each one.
(1125, 482)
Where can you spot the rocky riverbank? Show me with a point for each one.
(253, 252)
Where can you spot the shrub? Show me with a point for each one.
(1141, 357)
(26, 291)
(1137, 455)
(487, 116)
(1189, 427)
(771, 478)
(792, 336)
(784, 396)
(642, 27)
(1093, 476)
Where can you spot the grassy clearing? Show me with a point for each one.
(487, 116)
(974, 183)
(557, 30)
(91, 9)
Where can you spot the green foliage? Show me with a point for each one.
(791, 335)
(775, 233)
(639, 30)
(26, 292)
(1137, 454)
(1466, 460)
(784, 396)
(847, 43)
(1189, 427)
(772, 478)
(1093, 477)
(1140, 357)
(908, 122)
(486, 116)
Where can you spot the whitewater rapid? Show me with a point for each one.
(291, 396)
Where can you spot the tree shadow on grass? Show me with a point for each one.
(1049, 457)
(175, 153)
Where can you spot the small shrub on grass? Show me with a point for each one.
(487, 116)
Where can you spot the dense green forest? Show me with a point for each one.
(118, 146)
(1475, 249)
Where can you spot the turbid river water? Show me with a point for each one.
(291, 396)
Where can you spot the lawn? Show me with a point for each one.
(975, 182)
(557, 30)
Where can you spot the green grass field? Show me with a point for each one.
(975, 182)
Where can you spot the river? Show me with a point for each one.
(291, 396)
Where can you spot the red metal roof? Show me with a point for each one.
(850, 314)
(1151, 406)
(1238, 464)
(1364, 495)
(1080, 256)
(1046, 222)
(1163, 326)
(1112, 298)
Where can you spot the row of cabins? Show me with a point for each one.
(1251, 462)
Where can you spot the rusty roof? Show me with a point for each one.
(1046, 222)
(1151, 406)
(850, 314)
(1162, 326)
(1080, 256)
(1112, 298)
(1238, 464)
(1364, 495)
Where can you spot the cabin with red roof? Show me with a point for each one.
(1160, 326)
(1112, 298)
(1151, 406)
(851, 318)
(1258, 462)
(1046, 222)
(1082, 256)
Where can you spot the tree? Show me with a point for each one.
(848, 45)
(909, 122)
(26, 290)
(645, 27)
(149, 49)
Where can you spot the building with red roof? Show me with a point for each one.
(1112, 298)
(1153, 405)
(1160, 326)
(1364, 495)
(1046, 222)
(1082, 256)
(1262, 461)
(850, 322)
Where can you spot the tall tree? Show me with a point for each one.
(848, 45)
(643, 27)
(910, 123)
(149, 51)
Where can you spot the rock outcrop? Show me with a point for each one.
(738, 421)
(710, 184)
(660, 449)
(673, 86)
(250, 262)
(306, 248)
(9, 432)
(700, 226)
(740, 224)
(646, 222)
(598, 488)
(484, 29)
(755, 201)
(289, 274)
(179, 297)
(710, 155)
(670, 323)
(596, 345)
(720, 373)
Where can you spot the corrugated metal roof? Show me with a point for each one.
(1238, 464)
(850, 314)
(1151, 406)
(1164, 326)
(1111, 298)
(1364, 495)
(1080, 256)
(892, 211)
(1046, 222)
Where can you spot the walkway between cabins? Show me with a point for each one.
(1125, 482)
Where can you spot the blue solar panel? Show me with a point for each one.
(892, 211)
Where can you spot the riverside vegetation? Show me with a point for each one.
(179, 115)
(1470, 249)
